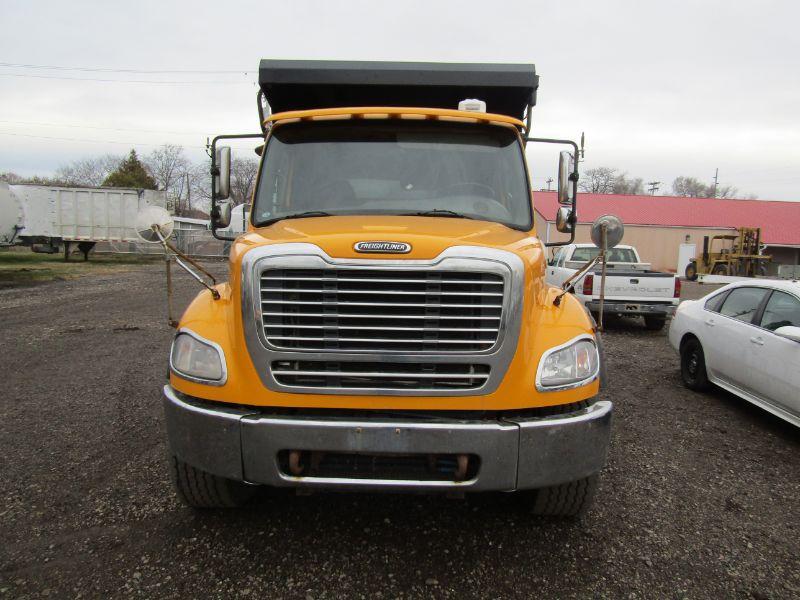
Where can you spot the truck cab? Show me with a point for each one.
(387, 324)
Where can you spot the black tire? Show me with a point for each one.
(654, 323)
(693, 366)
(566, 500)
(720, 270)
(691, 271)
(199, 489)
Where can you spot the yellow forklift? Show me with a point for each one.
(737, 255)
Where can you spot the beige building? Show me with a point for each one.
(669, 230)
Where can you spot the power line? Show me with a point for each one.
(40, 123)
(148, 81)
(108, 70)
(653, 187)
(63, 139)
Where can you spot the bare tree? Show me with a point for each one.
(88, 172)
(243, 179)
(607, 180)
(692, 187)
(169, 167)
(599, 180)
(623, 185)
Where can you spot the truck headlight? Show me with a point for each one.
(197, 359)
(570, 365)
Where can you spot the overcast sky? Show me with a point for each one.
(661, 88)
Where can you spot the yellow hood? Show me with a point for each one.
(428, 236)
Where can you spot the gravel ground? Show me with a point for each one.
(700, 497)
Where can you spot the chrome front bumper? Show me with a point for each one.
(243, 444)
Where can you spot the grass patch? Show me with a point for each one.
(20, 266)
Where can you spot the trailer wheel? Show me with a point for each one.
(199, 489)
(691, 271)
(566, 500)
(654, 323)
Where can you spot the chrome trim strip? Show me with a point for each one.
(202, 340)
(457, 258)
(568, 386)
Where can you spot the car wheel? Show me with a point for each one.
(693, 366)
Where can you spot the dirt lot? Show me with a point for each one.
(700, 497)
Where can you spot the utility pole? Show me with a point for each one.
(549, 181)
(716, 181)
(653, 187)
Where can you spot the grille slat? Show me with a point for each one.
(387, 376)
(381, 310)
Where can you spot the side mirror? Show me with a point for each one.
(565, 220)
(789, 332)
(221, 216)
(566, 164)
(222, 178)
(614, 231)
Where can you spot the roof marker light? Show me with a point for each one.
(472, 105)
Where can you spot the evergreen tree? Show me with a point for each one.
(130, 173)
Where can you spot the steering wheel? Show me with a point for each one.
(448, 190)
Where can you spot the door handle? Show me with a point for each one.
(710, 322)
(757, 341)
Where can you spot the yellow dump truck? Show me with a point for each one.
(387, 325)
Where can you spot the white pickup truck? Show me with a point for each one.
(632, 288)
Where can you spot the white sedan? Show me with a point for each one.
(745, 338)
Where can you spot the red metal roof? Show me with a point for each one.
(779, 221)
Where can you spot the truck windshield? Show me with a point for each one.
(622, 255)
(394, 167)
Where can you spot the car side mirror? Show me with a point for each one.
(221, 215)
(566, 165)
(789, 332)
(222, 174)
(565, 220)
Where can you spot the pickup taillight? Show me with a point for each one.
(588, 285)
(677, 293)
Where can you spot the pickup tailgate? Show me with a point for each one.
(636, 286)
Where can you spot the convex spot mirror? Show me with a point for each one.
(789, 332)
(222, 180)
(565, 222)
(221, 215)
(566, 165)
(614, 231)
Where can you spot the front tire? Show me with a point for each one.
(200, 489)
(571, 499)
(693, 366)
(720, 270)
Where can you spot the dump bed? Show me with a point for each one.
(507, 89)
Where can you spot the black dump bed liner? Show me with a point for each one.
(507, 89)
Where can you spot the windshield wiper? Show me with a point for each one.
(439, 212)
(300, 215)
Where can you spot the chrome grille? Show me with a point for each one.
(380, 310)
(380, 375)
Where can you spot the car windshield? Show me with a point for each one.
(622, 255)
(394, 167)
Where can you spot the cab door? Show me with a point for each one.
(728, 338)
(777, 357)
